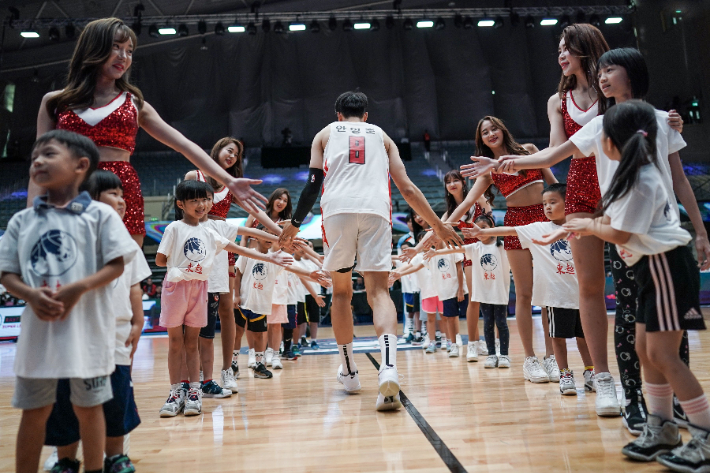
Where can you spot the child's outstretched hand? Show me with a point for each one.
(319, 300)
(280, 258)
(579, 226)
(473, 232)
(69, 295)
(44, 304)
(551, 237)
(429, 254)
(394, 275)
(322, 278)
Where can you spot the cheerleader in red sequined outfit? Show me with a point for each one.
(523, 195)
(100, 102)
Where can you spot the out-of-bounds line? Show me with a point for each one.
(450, 460)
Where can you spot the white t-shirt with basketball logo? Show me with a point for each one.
(356, 167)
(218, 280)
(258, 282)
(310, 266)
(490, 273)
(554, 275)
(444, 275)
(295, 289)
(424, 278)
(280, 296)
(191, 251)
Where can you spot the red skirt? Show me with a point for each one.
(583, 194)
(518, 216)
(467, 241)
(134, 218)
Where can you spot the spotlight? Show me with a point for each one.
(486, 22)
(167, 31)
(332, 24)
(347, 25)
(468, 23)
(612, 20)
(29, 33)
(361, 25)
(251, 28)
(297, 27)
(278, 27)
(425, 24)
(236, 28)
(54, 33)
(440, 24)
(529, 22)
(375, 24)
(204, 44)
(389, 22)
(581, 17)
(408, 24)
(219, 28)
(70, 30)
(266, 25)
(565, 22)
(153, 31)
(595, 21)
(182, 30)
(458, 20)
(315, 26)
(548, 22)
(202, 27)
(514, 19)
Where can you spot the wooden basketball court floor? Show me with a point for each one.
(461, 417)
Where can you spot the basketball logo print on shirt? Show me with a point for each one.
(259, 271)
(357, 150)
(561, 251)
(54, 253)
(489, 262)
(443, 265)
(195, 250)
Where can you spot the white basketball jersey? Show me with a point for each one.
(357, 174)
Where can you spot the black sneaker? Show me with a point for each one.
(235, 369)
(65, 465)
(120, 464)
(261, 372)
(410, 338)
(288, 355)
(437, 339)
(212, 389)
(692, 457)
(679, 415)
(634, 415)
(304, 343)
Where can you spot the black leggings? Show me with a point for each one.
(498, 315)
(625, 326)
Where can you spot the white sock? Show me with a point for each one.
(388, 348)
(259, 356)
(423, 326)
(195, 385)
(659, 398)
(419, 334)
(438, 333)
(347, 359)
(698, 411)
(408, 322)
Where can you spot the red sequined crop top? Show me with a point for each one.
(114, 125)
(509, 184)
(573, 116)
(222, 200)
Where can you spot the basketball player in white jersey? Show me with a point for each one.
(353, 162)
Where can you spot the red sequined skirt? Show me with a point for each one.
(134, 218)
(583, 194)
(518, 216)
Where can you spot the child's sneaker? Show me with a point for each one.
(431, 348)
(606, 403)
(533, 372)
(296, 350)
(212, 389)
(229, 381)
(454, 351)
(459, 341)
(261, 372)
(437, 339)
(658, 437)
(409, 338)
(288, 355)
(388, 381)
(314, 345)
(175, 402)
(426, 341)
(119, 464)
(503, 361)
(235, 369)
(589, 381)
(691, 457)
(567, 386)
(66, 465)
(634, 414)
(193, 403)
(350, 381)
(482, 348)
(269, 355)
(251, 361)
(276, 362)
(679, 416)
(304, 343)
(51, 460)
(472, 351)
(417, 341)
(448, 345)
(549, 364)
(388, 403)
(491, 362)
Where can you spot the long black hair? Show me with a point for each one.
(632, 128)
(636, 69)
(417, 229)
(191, 189)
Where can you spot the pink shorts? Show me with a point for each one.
(278, 314)
(431, 304)
(183, 303)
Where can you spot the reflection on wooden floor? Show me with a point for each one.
(301, 420)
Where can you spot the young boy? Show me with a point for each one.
(59, 256)
(554, 283)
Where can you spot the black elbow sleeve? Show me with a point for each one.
(309, 195)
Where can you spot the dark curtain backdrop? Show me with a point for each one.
(252, 87)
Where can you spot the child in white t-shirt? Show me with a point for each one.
(639, 219)
(554, 284)
(61, 256)
(188, 250)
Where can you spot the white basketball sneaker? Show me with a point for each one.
(472, 351)
(350, 381)
(533, 372)
(454, 352)
(606, 404)
(459, 341)
(388, 381)
(276, 362)
(251, 362)
(269, 355)
(549, 364)
(388, 403)
(229, 381)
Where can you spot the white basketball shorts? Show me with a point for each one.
(367, 237)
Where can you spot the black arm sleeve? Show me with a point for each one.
(308, 196)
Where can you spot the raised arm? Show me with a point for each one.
(477, 232)
(598, 227)
(480, 186)
(546, 158)
(280, 258)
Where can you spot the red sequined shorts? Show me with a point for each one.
(134, 218)
(518, 216)
(583, 194)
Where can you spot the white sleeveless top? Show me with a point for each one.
(576, 113)
(356, 167)
(218, 196)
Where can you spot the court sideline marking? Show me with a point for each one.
(452, 463)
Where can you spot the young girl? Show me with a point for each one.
(188, 250)
(638, 218)
(100, 102)
(623, 75)
(523, 195)
(490, 288)
(121, 412)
